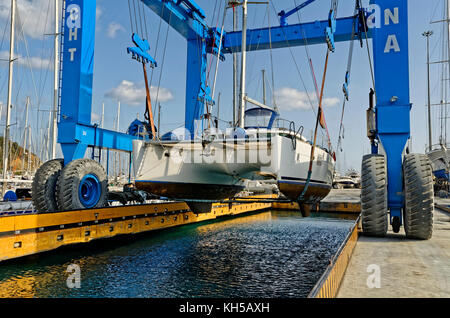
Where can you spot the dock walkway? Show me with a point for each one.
(407, 268)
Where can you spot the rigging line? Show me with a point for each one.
(214, 12)
(139, 3)
(28, 54)
(218, 55)
(135, 16)
(308, 55)
(272, 69)
(298, 69)
(296, 64)
(43, 43)
(213, 44)
(164, 59)
(6, 27)
(349, 67)
(131, 19)
(368, 53)
(145, 21)
(253, 62)
(157, 44)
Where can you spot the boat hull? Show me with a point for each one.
(293, 190)
(195, 170)
(217, 170)
(290, 163)
(190, 191)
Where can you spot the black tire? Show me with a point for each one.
(44, 186)
(68, 188)
(374, 200)
(419, 197)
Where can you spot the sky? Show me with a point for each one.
(118, 77)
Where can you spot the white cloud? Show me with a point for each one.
(134, 94)
(34, 62)
(292, 99)
(113, 29)
(33, 16)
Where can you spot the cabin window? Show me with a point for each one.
(259, 118)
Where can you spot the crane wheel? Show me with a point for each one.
(44, 185)
(82, 184)
(419, 197)
(374, 200)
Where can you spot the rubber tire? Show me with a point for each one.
(374, 199)
(419, 197)
(44, 186)
(69, 182)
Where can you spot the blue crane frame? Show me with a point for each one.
(391, 67)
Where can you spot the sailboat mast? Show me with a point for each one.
(25, 131)
(55, 81)
(243, 66)
(427, 34)
(9, 99)
(264, 86)
(448, 63)
(235, 70)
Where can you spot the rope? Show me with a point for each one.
(271, 62)
(319, 119)
(349, 68)
(131, 19)
(372, 73)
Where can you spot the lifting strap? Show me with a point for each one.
(320, 115)
(148, 110)
(345, 87)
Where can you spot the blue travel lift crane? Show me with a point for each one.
(397, 186)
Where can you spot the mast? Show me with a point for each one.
(8, 105)
(427, 34)
(25, 131)
(159, 120)
(49, 136)
(448, 63)
(29, 149)
(264, 86)
(235, 70)
(55, 81)
(243, 66)
(102, 123)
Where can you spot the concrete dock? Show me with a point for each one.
(406, 268)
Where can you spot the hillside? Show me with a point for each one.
(16, 154)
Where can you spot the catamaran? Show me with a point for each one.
(215, 165)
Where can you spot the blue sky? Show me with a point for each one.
(118, 76)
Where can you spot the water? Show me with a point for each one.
(271, 254)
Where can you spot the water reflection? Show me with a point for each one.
(272, 254)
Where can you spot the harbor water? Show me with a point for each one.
(268, 254)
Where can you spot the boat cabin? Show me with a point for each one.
(260, 118)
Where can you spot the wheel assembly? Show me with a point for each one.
(44, 186)
(82, 184)
(419, 197)
(374, 200)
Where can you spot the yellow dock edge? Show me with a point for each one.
(27, 235)
(329, 283)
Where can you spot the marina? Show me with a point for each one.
(163, 166)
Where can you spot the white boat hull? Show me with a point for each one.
(216, 170)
